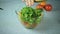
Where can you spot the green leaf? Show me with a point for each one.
(30, 15)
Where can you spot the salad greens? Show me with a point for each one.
(31, 15)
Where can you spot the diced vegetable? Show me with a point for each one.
(43, 3)
(48, 7)
(30, 15)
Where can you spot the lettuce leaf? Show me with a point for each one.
(30, 15)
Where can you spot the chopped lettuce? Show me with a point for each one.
(31, 15)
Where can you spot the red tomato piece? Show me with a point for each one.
(48, 7)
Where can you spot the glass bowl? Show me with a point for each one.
(27, 24)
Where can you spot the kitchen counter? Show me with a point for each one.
(9, 23)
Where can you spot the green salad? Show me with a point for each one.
(30, 15)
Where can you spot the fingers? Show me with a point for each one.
(29, 2)
(32, 2)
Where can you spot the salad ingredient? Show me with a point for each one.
(39, 6)
(39, 0)
(31, 15)
(48, 7)
(43, 3)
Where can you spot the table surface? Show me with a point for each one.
(9, 23)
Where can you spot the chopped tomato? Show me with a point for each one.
(48, 7)
(43, 3)
(25, 23)
(39, 6)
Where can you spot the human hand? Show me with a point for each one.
(29, 2)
